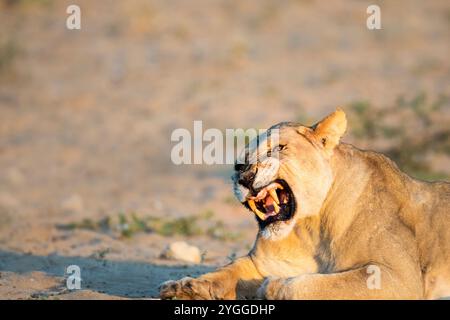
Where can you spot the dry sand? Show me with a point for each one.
(86, 118)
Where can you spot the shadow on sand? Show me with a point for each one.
(119, 278)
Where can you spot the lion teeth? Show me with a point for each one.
(276, 207)
(252, 206)
(274, 185)
(274, 196)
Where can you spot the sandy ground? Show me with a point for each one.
(86, 118)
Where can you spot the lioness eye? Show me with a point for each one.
(280, 147)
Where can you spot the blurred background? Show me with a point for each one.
(86, 118)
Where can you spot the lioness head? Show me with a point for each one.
(285, 173)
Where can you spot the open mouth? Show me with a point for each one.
(274, 202)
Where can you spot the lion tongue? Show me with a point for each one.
(269, 204)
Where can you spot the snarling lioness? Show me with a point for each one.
(335, 222)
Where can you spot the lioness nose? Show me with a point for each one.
(246, 178)
(241, 167)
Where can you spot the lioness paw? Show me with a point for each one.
(273, 289)
(186, 289)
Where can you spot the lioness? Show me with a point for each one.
(335, 222)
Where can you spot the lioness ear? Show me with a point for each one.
(331, 129)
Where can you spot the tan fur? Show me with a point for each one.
(371, 214)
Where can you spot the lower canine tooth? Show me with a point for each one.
(276, 207)
(274, 195)
(252, 206)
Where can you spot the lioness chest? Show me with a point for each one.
(284, 258)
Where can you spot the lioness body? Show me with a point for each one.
(373, 221)
(397, 223)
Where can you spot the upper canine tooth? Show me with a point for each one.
(274, 196)
(279, 185)
(252, 206)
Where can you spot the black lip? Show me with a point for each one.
(284, 215)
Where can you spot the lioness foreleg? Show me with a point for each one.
(352, 284)
(240, 277)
